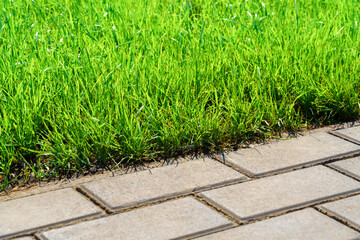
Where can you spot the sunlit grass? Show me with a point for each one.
(88, 83)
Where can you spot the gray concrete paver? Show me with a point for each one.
(161, 183)
(173, 219)
(350, 166)
(277, 193)
(289, 154)
(347, 209)
(35, 212)
(300, 225)
(352, 134)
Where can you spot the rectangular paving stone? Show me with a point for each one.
(299, 225)
(169, 220)
(352, 134)
(347, 209)
(350, 166)
(161, 183)
(277, 193)
(289, 154)
(31, 213)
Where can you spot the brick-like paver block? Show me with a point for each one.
(289, 154)
(281, 192)
(169, 220)
(347, 209)
(300, 225)
(350, 166)
(161, 183)
(352, 134)
(31, 213)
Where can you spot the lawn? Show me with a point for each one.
(87, 84)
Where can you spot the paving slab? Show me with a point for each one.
(169, 220)
(31, 213)
(290, 154)
(24, 238)
(161, 183)
(299, 225)
(351, 134)
(277, 193)
(350, 166)
(347, 209)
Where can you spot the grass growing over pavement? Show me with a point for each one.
(87, 83)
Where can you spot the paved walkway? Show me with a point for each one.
(304, 188)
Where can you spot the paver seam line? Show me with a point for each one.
(205, 232)
(49, 226)
(236, 168)
(39, 236)
(334, 217)
(24, 235)
(352, 194)
(326, 160)
(344, 137)
(36, 237)
(323, 161)
(248, 174)
(281, 211)
(97, 200)
(217, 209)
(210, 233)
(58, 225)
(242, 223)
(343, 171)
(337, 218)
(164, 163)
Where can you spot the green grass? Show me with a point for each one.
(101, 83)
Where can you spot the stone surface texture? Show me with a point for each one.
(347, 209)
(350, 166)
(161, 183)
(303, 188)
(288, 154)
(34, 212)
(299, 225)
(173, 219)
(353, 134)
(280, 192)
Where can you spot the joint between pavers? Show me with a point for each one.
(31, 235)
(60, 224)
(323, 161)
(217, 209)
(153, 201)
(344, 137)
(240, 170)
(93, 200)
(205, 232)
(172, 197)
(254, 176)
(343, 172)
(37, 233)
(148, 204)
(279, 212)
(209, 233)
(336, 218)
